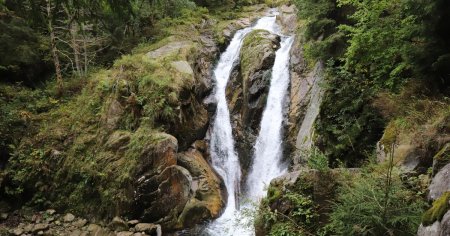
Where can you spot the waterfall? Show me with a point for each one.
(268, 148)
(223, 156)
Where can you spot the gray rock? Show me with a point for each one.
(125, 233)
(117, 224)
(69, 217)
(183, 67)
(93, 228)
(133, 222)
(445, 224)
(440, 183)
(17, 231)
(75, 233)
(28, 228)
(50, 211)
(432, 230)
(168, 49)
(40, 227)
(79, 223)
(149, 228)
(58, 222)
(40, 233)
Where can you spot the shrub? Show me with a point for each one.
(370, 206)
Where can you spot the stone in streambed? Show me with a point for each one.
(148, 228)
(69, 217)
(117, 224)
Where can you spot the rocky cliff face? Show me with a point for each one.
(248, 88)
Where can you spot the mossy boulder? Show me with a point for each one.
(301, 197)
(112, 149)
(441, 158)
(438, 210)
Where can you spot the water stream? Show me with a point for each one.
(268, 146)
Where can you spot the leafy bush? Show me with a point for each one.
(317, 160)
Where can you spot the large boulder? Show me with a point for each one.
(248, 88)
(207, 198)
(177, 190)
(440, 183)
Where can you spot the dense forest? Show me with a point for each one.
(106, 113)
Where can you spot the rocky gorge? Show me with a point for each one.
(131, 155)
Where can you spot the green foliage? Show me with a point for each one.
(317, 160)
(299, 219)
(22, 50)
(348, 125)
(438, 210)
(364, 208)
(378, 38)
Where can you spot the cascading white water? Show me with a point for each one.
(268, 148)
(223, 155)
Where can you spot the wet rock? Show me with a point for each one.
(69, 217)
(207, 198)
(117, 224)
(152, 229)
(440, 183)
(248, 88)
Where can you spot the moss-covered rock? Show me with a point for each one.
(441, 158)
(437, 211)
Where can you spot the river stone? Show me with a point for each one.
(117, 224)
(18, 231)
(40, 227)
(124, 233)
(183, 67)
(69, 217)
(79, 223)
(149, 228)
(50, 211)
(440, 183)
(133, 222)
(93, 228)
(168, 49)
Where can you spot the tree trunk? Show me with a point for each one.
(54, 50)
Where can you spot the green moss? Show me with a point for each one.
(273, 193)
(438, 210)
(443, 156)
